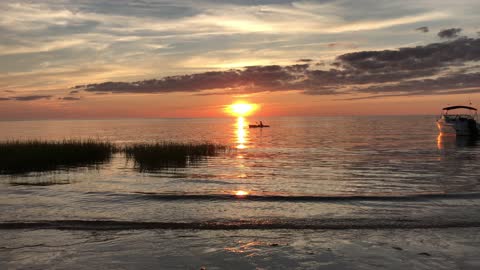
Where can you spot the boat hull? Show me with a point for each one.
(458, 128)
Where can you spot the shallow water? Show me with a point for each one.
(447, 249)
(324, 173)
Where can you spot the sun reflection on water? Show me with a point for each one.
(241, 141)
(440, 141)
(241, 193)
(241, 133)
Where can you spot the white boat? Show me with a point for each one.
(459, 124)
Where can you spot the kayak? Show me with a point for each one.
(258, 126)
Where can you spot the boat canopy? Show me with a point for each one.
(459, 107)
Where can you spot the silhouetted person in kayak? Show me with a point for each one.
(261, 124)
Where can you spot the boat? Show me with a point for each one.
(459, 124)
(258, 126)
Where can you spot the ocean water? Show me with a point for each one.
(309, 175)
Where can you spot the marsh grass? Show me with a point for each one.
(151, 157)
(17, 157)
(21, 157)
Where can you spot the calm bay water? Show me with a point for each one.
(335, 175)
(327, 171)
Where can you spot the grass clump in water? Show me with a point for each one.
(150, 157)
(40, 156)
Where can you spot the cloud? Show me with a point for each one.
(69, 98)
(134, 36)
(26, 98)
(444, 84)
(423, 29)
(261, 78)
(73, 92)
(305, 60)
(431, 56)
(449, 33)
(176, 18)
(38, 48)
(374, 25)
(410, 70)
(30, 98)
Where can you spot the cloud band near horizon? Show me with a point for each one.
(438, 68)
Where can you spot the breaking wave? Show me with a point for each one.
(329, 224)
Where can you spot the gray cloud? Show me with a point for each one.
(443, 84)
(415, 58)
(69, 98)
(405, 71)
(30, 98)
(449, 33)
(462, 91)
(74, 92)
(423, 29)
(261, 78)
(26, 98)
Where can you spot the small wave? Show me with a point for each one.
(111, 225)
(306, 198)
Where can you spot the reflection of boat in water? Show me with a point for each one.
(459, 124)
(258, 126)
(451, 142)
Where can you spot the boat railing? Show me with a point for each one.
(458, 116)
(473, 113)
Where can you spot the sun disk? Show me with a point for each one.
(241, 109)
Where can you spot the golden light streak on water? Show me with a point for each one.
(241, 133)
(448, 140)
(241, 193)
(440, 141)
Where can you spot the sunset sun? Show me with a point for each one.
(241, 109)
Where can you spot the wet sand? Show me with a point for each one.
(455, 248)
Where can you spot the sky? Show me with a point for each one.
(173, 58)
